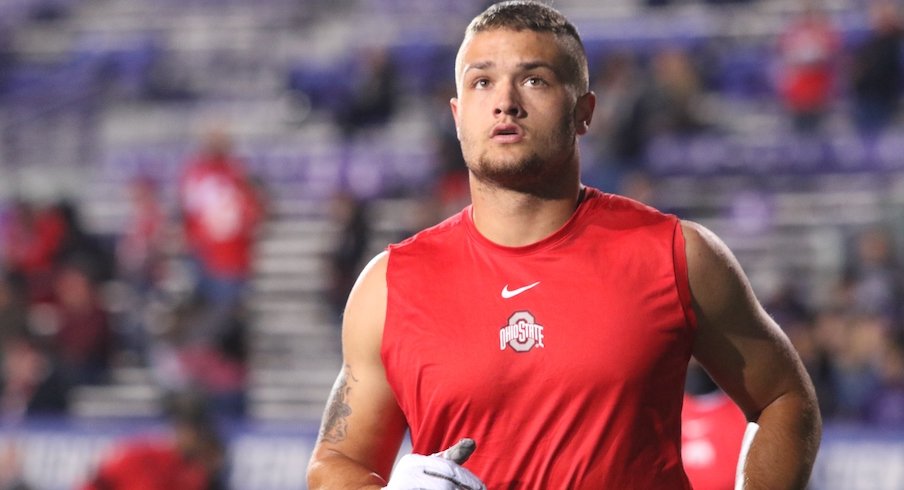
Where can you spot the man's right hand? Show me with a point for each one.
(440, 471)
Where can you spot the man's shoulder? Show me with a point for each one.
(437, 235)
(625, 211)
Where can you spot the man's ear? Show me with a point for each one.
(453, 104)
(583, 112)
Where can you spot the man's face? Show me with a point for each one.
(516, 112)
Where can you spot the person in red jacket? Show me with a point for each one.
(32, 238)
(221, 211)
(808, 51)
(189, 457)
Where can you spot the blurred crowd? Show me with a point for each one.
(852, 343)
(74, 304)
(817, 78)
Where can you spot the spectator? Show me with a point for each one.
(140, 253)
(451, 184)
(856, 357)
(621, 120)
(32, 239)
(676, 98)
(217, 369)
(346, 257)
(812, 338)
(83, 340)
(221, 211)
(886, 408)
(78, 245)
(372, 99)
(189, 456)
(142, 240)
(788, 306)
(808, 51)
(32, 381)
(876, 76)
(25, 369)
(13, 308)
(875, 276)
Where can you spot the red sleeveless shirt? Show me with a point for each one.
(565, 359)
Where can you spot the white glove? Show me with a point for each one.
(440, 471)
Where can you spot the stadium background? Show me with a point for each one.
(95, 94)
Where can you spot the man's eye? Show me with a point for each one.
(535, 81)
(481, 83)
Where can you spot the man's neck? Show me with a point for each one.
(515, 219)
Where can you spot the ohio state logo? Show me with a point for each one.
(522, 333)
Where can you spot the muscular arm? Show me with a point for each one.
(749, 356)
(362, 426)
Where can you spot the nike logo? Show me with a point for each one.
(506, 294)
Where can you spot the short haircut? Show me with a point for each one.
(520, 15)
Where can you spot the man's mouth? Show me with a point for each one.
(507, 133)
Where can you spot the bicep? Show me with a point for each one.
(362, 420)
(737, 342)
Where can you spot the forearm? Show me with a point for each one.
(333, 471)
(784, 449)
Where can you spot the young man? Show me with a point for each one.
(548, 322)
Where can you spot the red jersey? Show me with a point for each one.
(809, 49)
(222, 211)
(712, 430)
(565, 359)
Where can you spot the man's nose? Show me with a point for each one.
(508, 103)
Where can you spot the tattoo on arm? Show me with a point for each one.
(335, 425)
